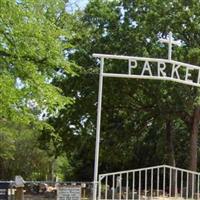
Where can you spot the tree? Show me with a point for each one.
(138, 117)
(149, 19)
(182, 19)
(34, 47)
(33, 51)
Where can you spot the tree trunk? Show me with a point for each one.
(193, 145)
(194, 139)
(53, 168)
(170, 144)
(170, 153)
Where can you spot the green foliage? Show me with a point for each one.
(39, 45)
(20, 153)
(33, 44)
(134, 112)
(63, 169)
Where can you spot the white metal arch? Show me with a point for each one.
(148, 66)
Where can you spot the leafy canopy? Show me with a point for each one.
(134, 112)
(33, 51)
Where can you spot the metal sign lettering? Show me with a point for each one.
(165, 70)
(159, 69)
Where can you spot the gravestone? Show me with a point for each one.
(69, 193)
(19, 184)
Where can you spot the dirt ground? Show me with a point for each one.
(38, 197)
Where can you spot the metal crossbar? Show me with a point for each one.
(151, 183)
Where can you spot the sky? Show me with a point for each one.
(82, 3)
(77, 4)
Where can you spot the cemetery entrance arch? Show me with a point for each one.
(143, 68)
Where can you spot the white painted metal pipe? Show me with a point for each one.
(170, 46)
(120, 188)
(119, 57)
(99, 196)
(176, 182)
(151, 183)
(181, 184)
(127, 182)
(170, 182)
(145, 190)
(106, 189)
(158, 180)
(113, 75)
(96, 162)
(113, 187)
(198, 187)
(192, 186)
(139, 189)
(154, 167)
(187, 186)
(133, 186)
(164, 171)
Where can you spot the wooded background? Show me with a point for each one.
(49, 87)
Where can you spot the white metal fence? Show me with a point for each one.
(159, 182)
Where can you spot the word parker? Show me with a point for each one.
(165, 69)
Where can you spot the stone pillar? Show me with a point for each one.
(19, 194)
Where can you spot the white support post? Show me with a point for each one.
(198, 188)
(120, 187)
(133, 187)
(187, 185)
(164, 171)
(170, 182)
(170, 46)
(151, 184)
(193, 186)
(96, 162)
(99, 196)
(106, 188)
(113, 188)
(176, 183)
(158, 180)
(145, 190)
(139, 188)
(127, 185)
(182, 184)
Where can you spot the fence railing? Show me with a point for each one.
(159, 182)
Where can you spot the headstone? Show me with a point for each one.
(19, 181)
(69, 193)
(19, 184)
